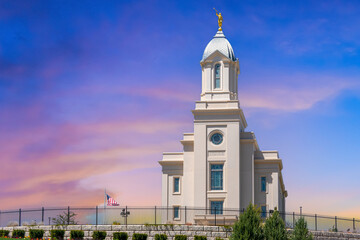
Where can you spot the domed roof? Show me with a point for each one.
(220, 43)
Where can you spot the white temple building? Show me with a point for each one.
(221, 166)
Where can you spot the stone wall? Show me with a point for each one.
(211, 232)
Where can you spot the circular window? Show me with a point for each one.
(217, 138)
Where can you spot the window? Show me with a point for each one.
(176, 185)
(263, 184)
(176, 212)
(216, 138)
(217, 207)
(216, 177)
(217, 76)
(263, 211)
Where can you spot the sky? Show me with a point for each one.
(93, 92)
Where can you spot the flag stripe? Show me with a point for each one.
(111, 201)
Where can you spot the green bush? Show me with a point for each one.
(248, 226)
(196, 237)
(160, 237)
(301, 231)
(36, 233)
(120, 236)
(4, 233)
(18, 234)
(274, 228)
(99, 235)
(77, 234)
(139, 236)
(57, 234)
(219, 238)
(180, 237)
(333, 229)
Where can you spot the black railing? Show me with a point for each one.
(160, 215)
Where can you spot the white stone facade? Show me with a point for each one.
(221, 165)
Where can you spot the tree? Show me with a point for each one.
(301, 231)
(65, 219)
(248, 226)
(274, 228)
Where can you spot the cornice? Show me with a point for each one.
(185, 142)
(171, 163)
(270, 161)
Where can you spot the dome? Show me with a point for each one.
(220, 43)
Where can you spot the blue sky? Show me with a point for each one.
(92, 91)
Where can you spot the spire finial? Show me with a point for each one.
(220, 19)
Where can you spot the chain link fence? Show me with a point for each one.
(160, 215)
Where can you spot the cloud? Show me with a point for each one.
(284, 98)
(315, 199)
(281, 97)
(47, 170)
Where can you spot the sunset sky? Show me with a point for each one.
(92, 93)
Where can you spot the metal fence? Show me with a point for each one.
(162, 215)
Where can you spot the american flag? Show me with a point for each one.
(111, 201)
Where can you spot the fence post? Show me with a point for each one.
(185, 214)
(126, 215)
(42, 214)
(315, 222)
(336, 223)
(68, 215)
(155, 215)
(293, 219)
(354, 224)
(215, 216)
(97, 215)
(19, 216)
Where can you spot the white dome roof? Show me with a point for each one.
(220, 43)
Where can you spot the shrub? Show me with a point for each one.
(33, 223)
(274, 228)
(12, 224)
(4, 233)
(57, 234)
(18, 233)
(160, 237)
(139, 236)
(301, 231)
(99, 235)
(36, 233)
(248, 226)
(25, 223)
(333, 229)
(116, 223)
(219, 238)
(180, 237)
(77, 234)
(196, 237)
(65, 218)
(120, 236)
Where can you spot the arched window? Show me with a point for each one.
(217, 76)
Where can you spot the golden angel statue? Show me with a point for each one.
(220, 19)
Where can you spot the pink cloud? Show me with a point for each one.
(299, 98)
(72, 156)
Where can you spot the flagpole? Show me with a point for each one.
(105, 198)
(105, 206)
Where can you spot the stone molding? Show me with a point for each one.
(211, 232)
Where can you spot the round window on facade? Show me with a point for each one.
(216, 138)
